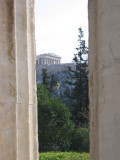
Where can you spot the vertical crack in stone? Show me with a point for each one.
(10, 29)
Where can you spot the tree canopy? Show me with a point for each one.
(54, 124)
(80, 90)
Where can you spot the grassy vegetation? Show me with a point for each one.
(63, 156)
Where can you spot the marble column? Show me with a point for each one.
(104, 79)
(18, 109)
(52, 61)
(40, 61)
(45, 60)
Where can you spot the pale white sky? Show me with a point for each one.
(57, 23)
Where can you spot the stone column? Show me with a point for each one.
(39, 60)
(18, 111)
(44, 60)
(47, 60)
(104, 79)
(52, 61)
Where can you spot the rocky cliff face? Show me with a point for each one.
(61, 74)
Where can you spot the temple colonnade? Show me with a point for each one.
(48, 58)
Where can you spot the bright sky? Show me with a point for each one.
(57, 23)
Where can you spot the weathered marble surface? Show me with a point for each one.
(18, 111)
(104, 68)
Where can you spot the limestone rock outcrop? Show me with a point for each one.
(62, 74)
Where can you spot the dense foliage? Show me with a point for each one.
(63, 156)
(54, 124)
(80, 140)
(80, 90)
(56, 132)
(48, 80)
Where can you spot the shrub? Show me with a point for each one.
(54, 124)
(80, 140)
(56, 132)
(63, 156)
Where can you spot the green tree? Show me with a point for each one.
(52, 82)
(54, 124)
(48, 80)
(80, 140)
(80, 82)
(45, 77)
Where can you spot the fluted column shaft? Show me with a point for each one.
(18, 112)
(104, 79)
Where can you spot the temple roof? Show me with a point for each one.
(48, 54)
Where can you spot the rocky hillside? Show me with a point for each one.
(61, 75)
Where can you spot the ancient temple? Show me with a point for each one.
(48, 58)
